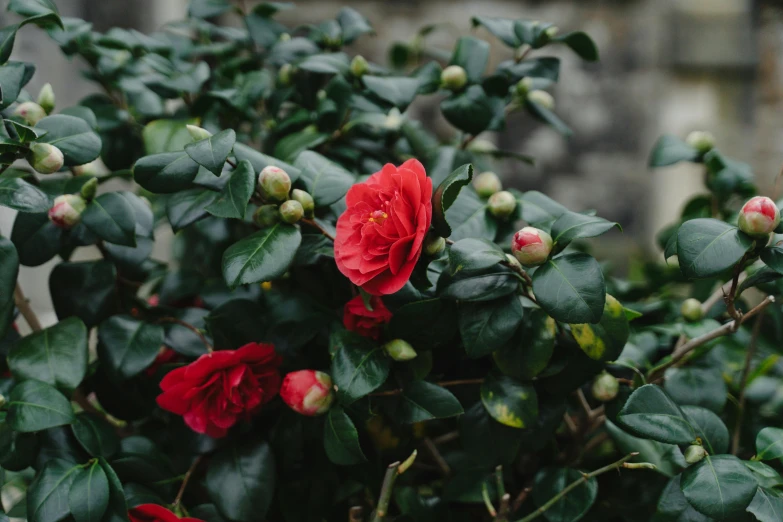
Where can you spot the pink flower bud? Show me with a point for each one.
(274, 182)
(30, 112)
(759, 216)
(531, 246)
(308, 392)
(67, 210)
(45, 158)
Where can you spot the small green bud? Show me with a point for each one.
(285, 74)
(306, 200)
(284, 37)
(45, 158)
(523, 87)
(453, 77)
(3, 401)
(487, 183)
(46, 98)
(359, 66)
(394, 119)
(694, 453)
(513, 262)
(434, 245)
(66, 212)
(266, 215)
(702, 141)
(89, 189)
(291, 211)
(198, 133)
(481, 145)
(691, 310)
(274, 183)
(542, 98)
(605, 387)
(502, 204)
(88, 169)
(30, 112)
(552, 31)
(400, 350)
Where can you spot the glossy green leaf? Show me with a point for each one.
(530, 348)
(166, 172)
(673, 506)
(208, 8)
(85, 290)
(13, 76)
(509, 401)
(474, 254)
(502, 28)
(358, 367)
(488, 326)
(89, 494)
(47, 497)
(471, 54)
(651, 414)
(263, 256)
(36, 406)
(719, 486)
(669, 150)
(23, 133)
(667, 458)
(772, 257)
(186, 207)
(31, 8)
(538, 208)
(572, 225)
(353, 24)
(117, 510)
(473, 110)
(697, 386)
(769, 444)
(111, 217)
(20, 195)
(571, 288)
(211, 153)
(398, 91)
(581, 44)
(706, 247)
(468, 217)
(477, 427)
(78, 142)
(479, 285)
(445, 196)
(56, 355)
(422, 401)
(37, 239)
(709, 428)
(325, 180)
(341, 440)
(570, 508)
(128, 345)
(766, 506)
(9, 270)
(259, 160)
(233, 199)
(96, 435)
(604, 341)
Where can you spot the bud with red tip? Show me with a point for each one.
(67, 210)
(45, 158)
(453, 77)
(605, 387)
(531, 246)
(30, 112)
(759, 216)
(308, 392)
(487, 183)
(274, 183)
(502, 204)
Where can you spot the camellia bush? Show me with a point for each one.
(356, 322)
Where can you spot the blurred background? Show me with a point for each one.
(666, 66)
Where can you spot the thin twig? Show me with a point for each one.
(488, 501)
(231, 162)
(716, 296)
(26, 310)
(190, 327)
(505, 508)
(386, 492)
(446, 437)
(444, 384)
(521, 498)
(735, 440)
(439, 460)
(321, 229)
(585, 405)
(570, 423)
(185, 480)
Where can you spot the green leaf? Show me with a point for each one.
(766, 506)
(398, 91)
(186, 207)
(697, 386)
(427, 322)
(166, 172)
(259, 160)
(667, 458)
(709, 428)
(89, 494)
(166, 136)
(95, 435)
(326, 63)
(32, 8)
(324, 179)
(530, 348)
(769, 444)
(509, 401)
(719, 486)
(571, 507)
(233, 199)
(772, 257)
(353, 24)
(9, 270)
(538, 208)
(13, 76)
(486, 327)
(118, 507)
(24, 133)
(341, 440)
(56, 355)
(263, 256)
(468, 217)
(604, 341)
(358, 367)
(571, 288)
(673, 506)
(20, 195)
(211, 153)
(546, 115)
(502, 28)
(85, 290)
(78, 142)
(47, 497)
(706, 247)
(473, 110)
(572, 225)
(208, 8)
(651, 414)
(422, 401)
(128, 346)
(669, 150)
(289, 147)
(471, 54)
(111, 217)
(479, 285)
(36, 406)
(477, 427)
(445, 196)
(581, 44)
(474, 254)
(241, 480)
(37, 239)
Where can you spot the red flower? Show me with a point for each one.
(155, 513)
(380, 234)
(357, 318)
(220, 388)
(308, 392)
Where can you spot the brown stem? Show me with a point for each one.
(521, 498)
(729, 298)
(231, 162)
(185, 480)
(439, 460)
(446, 437)
(26, 310)
(735, 440)
(505, 508)
(190, 327)
(467, 141)
(314, 224)
(445, 384)
(716, 296)
(585, 405)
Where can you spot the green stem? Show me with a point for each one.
(386, 492)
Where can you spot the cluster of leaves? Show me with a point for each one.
(500, 396)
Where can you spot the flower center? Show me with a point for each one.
(378, 216)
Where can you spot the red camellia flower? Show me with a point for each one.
(220, 388)
(155, 513)
(357, 318)
(308, 392)
(380, 234)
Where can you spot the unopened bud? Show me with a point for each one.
(308, 392)
(284, 75)
(284, 37)
(30, 112)
(434, 245)
(274, 183)
(759, 216)
(400, 350)
(694, 453)
(702, 141)
(198, 133)
(531, 246)
(394, 119)
(407, 463)
(45, 158)
(89, 189)
(513, 262)
(46, 98)
(359, 65)
(453, 77)
(92, 168)
(3, 401)
(522, 51)
(481, 145)
(502, 204)
(552, 31)
(266, 215)
(605, 387)
(291, 211)
(523, 87)
(67, 210)
(487, 183)
(691, 309)
(541, 98)
(305, 199)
